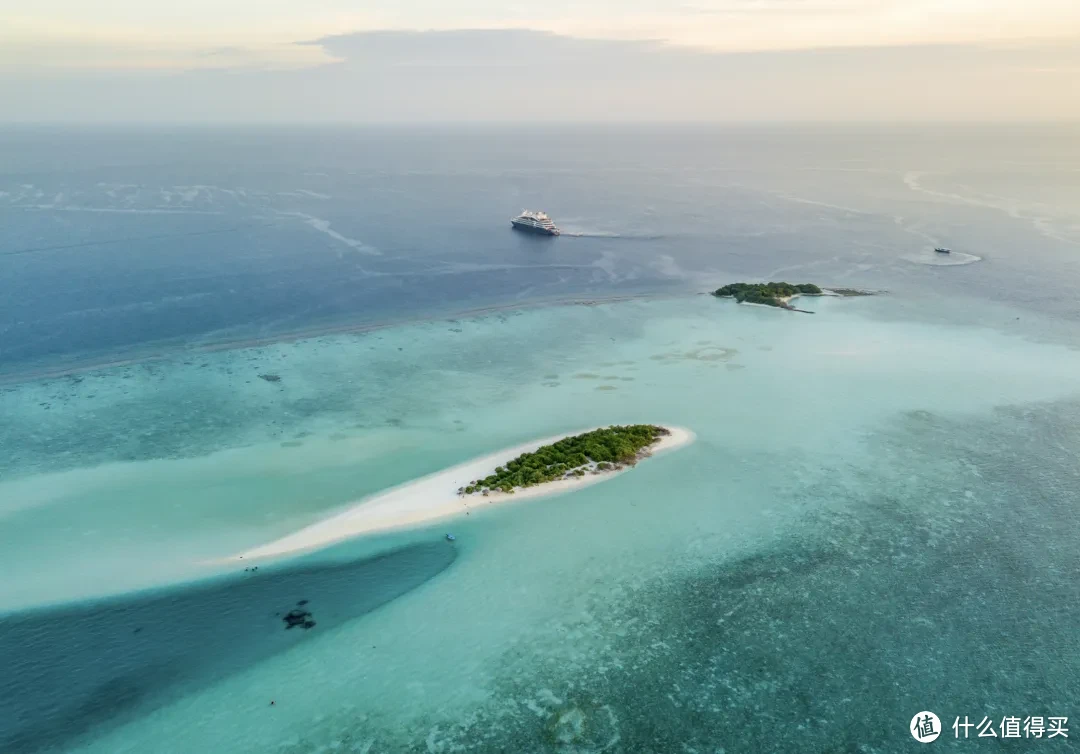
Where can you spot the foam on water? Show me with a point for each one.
(934, 259)
(832, 549)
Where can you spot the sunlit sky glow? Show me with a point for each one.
(599, 59)
(266, 33)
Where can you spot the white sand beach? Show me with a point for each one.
(436, 496)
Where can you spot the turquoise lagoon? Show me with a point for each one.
(877, 518)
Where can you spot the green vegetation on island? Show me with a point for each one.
(600, 450)
(770, 294)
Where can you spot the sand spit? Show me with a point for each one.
(436, 496)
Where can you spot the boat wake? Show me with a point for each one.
(572, 233)
(934, 259)
(590, 234)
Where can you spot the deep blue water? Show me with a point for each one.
(113, 241)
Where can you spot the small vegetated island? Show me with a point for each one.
(770, 294)
(780, 294)
(600, 450)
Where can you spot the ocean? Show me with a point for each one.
(212, 338)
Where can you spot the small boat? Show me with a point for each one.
(943, 250)
(535, 222)
(450, 537)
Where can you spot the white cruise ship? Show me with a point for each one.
(535, 222)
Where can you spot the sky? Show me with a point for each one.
(459, 60)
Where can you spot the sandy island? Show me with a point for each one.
(436, 496)
(785, 301)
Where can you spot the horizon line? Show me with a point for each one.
(459, 123)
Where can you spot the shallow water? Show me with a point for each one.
(877, 518)
(72, 668)
(871, 503)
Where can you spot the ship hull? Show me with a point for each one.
(524, 228)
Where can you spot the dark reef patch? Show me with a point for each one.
(70, 670)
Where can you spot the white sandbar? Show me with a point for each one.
(436, 496)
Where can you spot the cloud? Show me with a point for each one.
(1067, 71)
(74, 55)
(479, 48)
(222, 52)
(765, 8)
(72, 34)
(536, 77)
